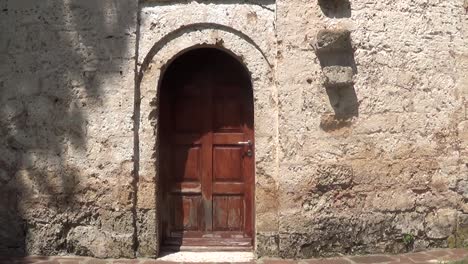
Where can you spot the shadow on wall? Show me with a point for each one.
(335, 8)
(336, 55)
(55, 59)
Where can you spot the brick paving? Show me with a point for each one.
(427, 257)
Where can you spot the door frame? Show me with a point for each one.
(153, 62)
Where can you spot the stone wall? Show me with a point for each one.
(380, 165)
(66, 139)
(361, 121)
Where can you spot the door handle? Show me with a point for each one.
(248, 143)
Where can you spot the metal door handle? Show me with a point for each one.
(248, 142)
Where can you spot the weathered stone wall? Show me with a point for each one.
(363, 165)
(361, 145)
(66, 140)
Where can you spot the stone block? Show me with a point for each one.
(12, 237)
(267, 244)
(462, 188)
(441, 223)
(266, 210)
(148, 229)
(332, 176)
(393, 201)
(333, 40)
(461, 235)
(146, 195)
(338, 76)
(333, 233)
(43, 239)
(91, 241)
(335, 8)
(119, 222)
(410, 223)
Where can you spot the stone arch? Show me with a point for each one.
(147, 83)
(197, 27)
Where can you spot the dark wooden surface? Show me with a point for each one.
(206, 110)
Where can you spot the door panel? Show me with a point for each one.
(227, 163)
(187, 115)
(228, 212)
(186, 215)
(186, 165)
(227, 114)
(206, 113)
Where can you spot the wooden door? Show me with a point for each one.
(207, 161)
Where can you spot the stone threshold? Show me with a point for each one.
(435, 256)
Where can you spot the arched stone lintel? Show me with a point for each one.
(186, 29)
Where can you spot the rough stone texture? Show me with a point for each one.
(333, 40)
(460, 238)
(338, 76)
(441, 223)
(405, 142)
(66, 106)
(333, 176)
(337, 170)
(267, 245)
(91, 241)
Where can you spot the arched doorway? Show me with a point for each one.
(206, 152)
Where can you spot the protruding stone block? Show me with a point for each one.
(335, 8)
(441, 224)
(338, 76)
(333, 40)
(332, 175)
